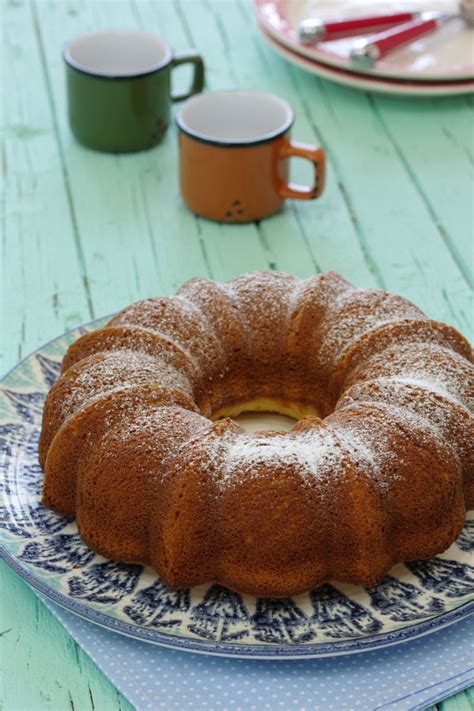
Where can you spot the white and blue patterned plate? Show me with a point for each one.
(46, 550)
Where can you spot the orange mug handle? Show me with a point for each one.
(317, 157)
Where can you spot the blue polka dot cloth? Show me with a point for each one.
(412, 675)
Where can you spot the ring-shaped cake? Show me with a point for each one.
(138, 444)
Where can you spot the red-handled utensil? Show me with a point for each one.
(366, 51)
(313, 30)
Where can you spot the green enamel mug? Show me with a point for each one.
(119, 88)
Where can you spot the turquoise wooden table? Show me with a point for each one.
(87, 233)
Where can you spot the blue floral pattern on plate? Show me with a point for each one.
(48, 552)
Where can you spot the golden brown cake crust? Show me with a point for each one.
(378, 469)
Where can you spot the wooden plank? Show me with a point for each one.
(398, 230)
(44, 668)
(438, 160)
(39, 300)
(135, 232)
(297, 239)
(226, 249)
(464, 701)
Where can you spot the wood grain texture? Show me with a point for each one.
(84, 233)
(43, 666)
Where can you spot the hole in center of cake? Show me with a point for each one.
(263, 414)
(264, 421)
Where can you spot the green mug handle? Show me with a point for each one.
(198, 77)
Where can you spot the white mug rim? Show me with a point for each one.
(203, 137)
(78, 66)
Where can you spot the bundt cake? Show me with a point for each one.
(138, 444)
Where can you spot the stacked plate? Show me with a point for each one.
(437, 64)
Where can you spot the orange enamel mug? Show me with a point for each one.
(234, 150)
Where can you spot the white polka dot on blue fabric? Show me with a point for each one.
(405, 677)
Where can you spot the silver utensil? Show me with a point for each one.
(368, 50)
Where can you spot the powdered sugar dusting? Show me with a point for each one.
(356, 312)
(308, 454)
(164, 430)
(101, 374)
(183, 322)
(441, 386)
(320, 453)
(382, 424)
(260, 307)
(264, 301)
(430, 366)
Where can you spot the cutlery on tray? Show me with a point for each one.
(392, 31)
